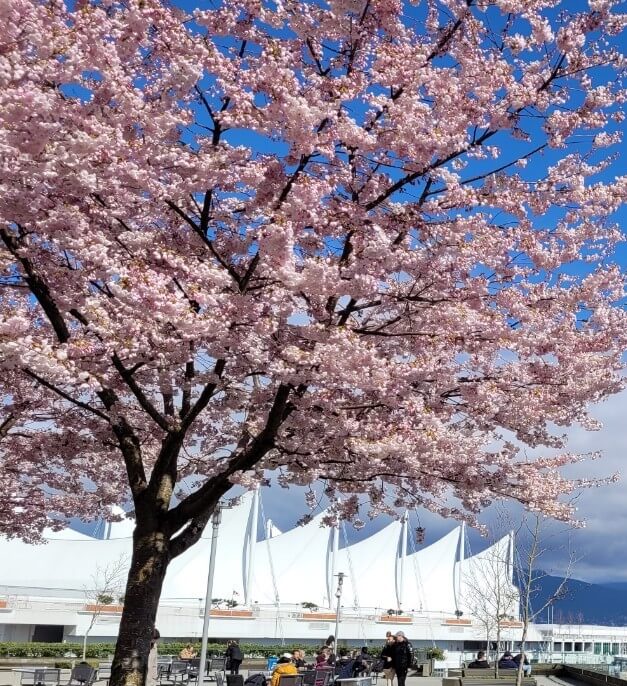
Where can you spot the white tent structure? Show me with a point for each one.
(367, 563)
(429, 579)
(270, 577)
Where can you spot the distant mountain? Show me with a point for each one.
(583, 603)
(616, 585)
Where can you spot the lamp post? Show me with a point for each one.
(216, 518)
(338, 595)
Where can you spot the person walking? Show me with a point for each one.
(234, 656)
(387, 653)
(401, 657)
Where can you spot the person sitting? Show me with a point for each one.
(507, 661)
(188, 653)
(322, 657)
(480, 662)
(525, 661)
(362, 662)
(283, 667)
(299, 659)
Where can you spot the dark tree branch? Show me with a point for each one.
(191, 534)
(38, 288)
(203, 235)
(139, 394)
(187, 386)
(62, 394)
(205, 498)
(203, 399)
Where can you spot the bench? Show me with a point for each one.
(486, 677)
(492, 681)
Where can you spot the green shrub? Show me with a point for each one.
(435, 653)
(102, 651)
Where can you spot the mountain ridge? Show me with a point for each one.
(583, 602)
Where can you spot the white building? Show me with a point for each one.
(387, 587)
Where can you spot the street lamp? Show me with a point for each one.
(338, 595)
(216, 518)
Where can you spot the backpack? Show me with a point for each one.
(256, 680)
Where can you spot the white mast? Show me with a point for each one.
(331, 567)
(457, 581)
(510, 556)
(401, 561)
(252, 540)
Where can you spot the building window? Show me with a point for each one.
(568, 646)
(607, 648)
(615, 648)
(578, 647)
(598, 648)
(588, 647)
(557, 647)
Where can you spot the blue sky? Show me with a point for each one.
(602, 545)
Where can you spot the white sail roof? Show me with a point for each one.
(429, 582)
(187, 574)
(69, 561)
(292, 567)
(296, 562)
(490, 569)
(371, 568)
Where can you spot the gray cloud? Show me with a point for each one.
(600, 547)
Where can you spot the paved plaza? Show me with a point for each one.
(9, 678)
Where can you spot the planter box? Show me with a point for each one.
(105, 609)
(511, 624)
(395, 619)
(241, 614)
(457, 622)
(3, 604)
(318, 616)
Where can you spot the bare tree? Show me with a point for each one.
(535, 540)
(489, 592)
(106, 587)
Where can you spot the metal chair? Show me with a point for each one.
(104, 671)
(83, 674)
(218, 664)
(193, 668)
(323, 677)
(291, 680)
(219, 678)
(177, 672)
(47, 677)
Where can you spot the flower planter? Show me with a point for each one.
(104, 609)
(457, 622)
(241, 614)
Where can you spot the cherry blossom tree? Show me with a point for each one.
(299, 237)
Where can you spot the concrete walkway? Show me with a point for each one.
(9, 678)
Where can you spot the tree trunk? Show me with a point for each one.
(143, 589)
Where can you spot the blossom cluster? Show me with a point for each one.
(342, 241)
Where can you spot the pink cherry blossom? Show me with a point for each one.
(363, 243)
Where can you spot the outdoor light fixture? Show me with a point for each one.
(338, 595)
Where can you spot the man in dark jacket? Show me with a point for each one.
(480, 662)
(507, 662)
(401, 657)
(234, 656)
